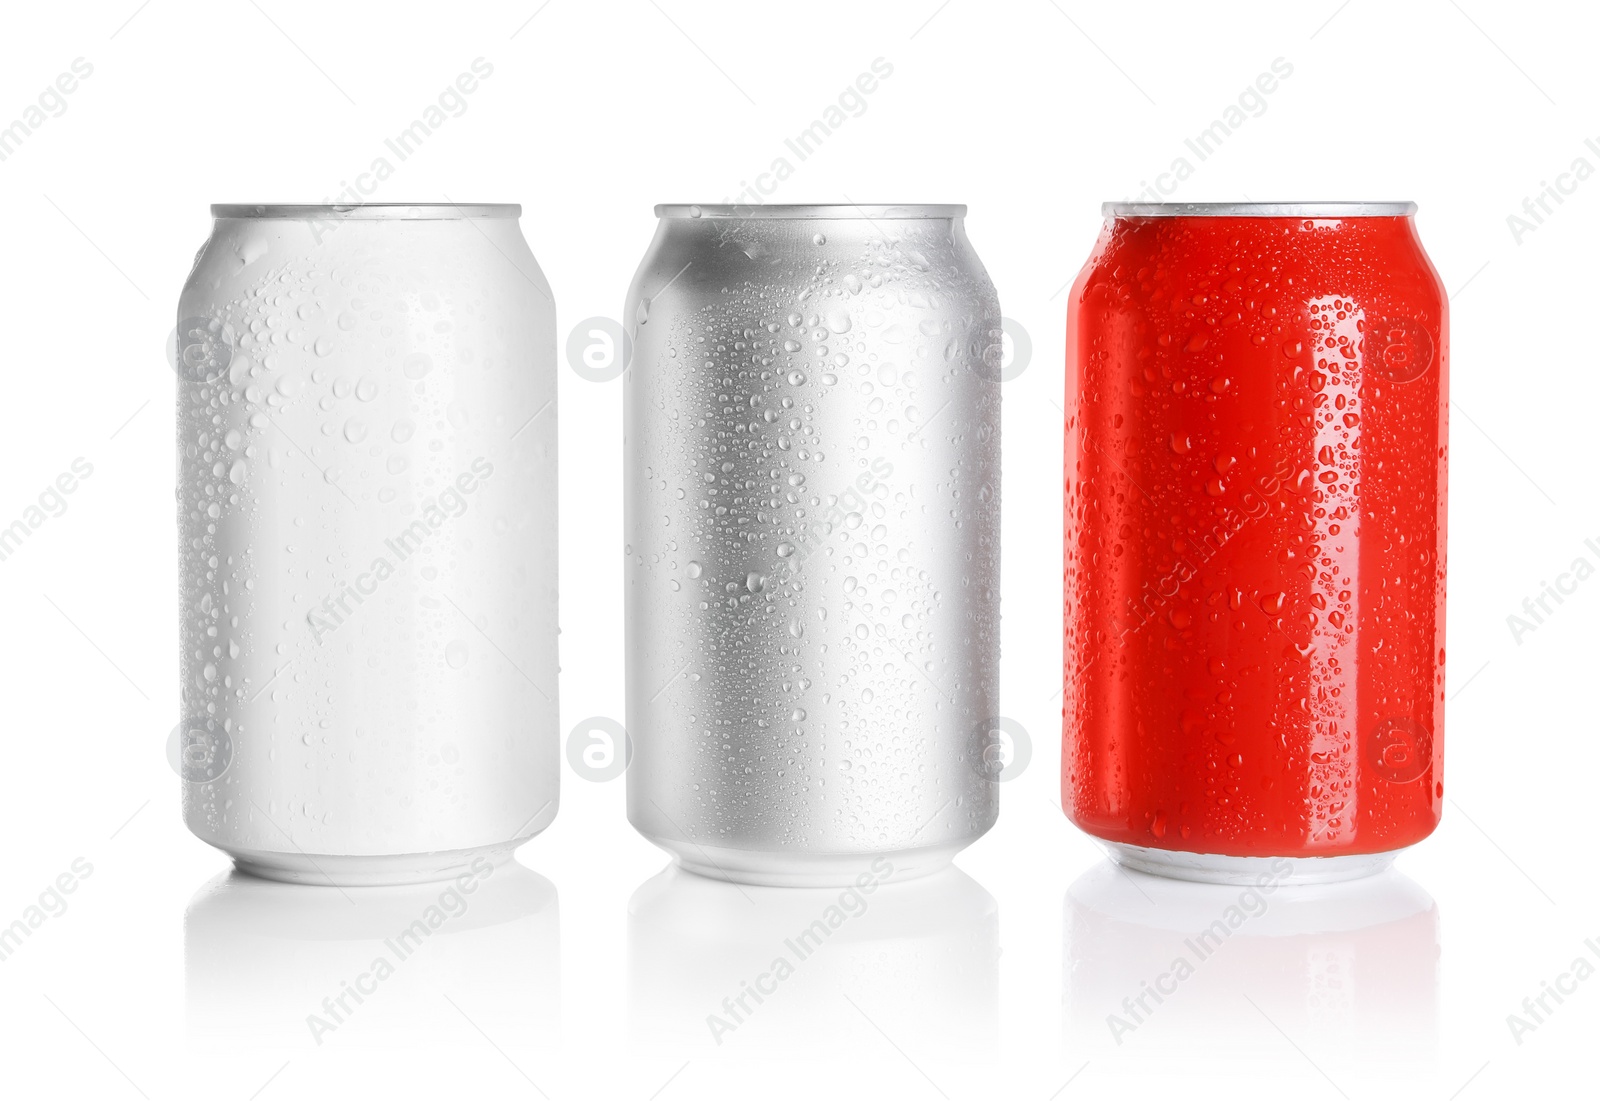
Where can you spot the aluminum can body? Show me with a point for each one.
(812, 523)
(1255, 552)
(366, 512)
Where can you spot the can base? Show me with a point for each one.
(763, 868)
(1249, 870)
(385, 870)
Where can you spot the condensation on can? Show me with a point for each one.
(366, 487)
(812, 525)
(1256, 465)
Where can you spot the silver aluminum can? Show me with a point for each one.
(813, 541)
(366, 511)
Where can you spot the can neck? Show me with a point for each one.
(828, 212)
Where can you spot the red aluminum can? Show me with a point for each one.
(1256, 446)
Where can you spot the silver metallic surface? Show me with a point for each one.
(412, 212)
(812, 522)
(872, 212)
(1258, 210)
(1249, 870)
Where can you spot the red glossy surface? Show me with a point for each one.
(1255, 516)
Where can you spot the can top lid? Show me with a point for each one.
(1260, 210)
(871, 212)
(416, 212)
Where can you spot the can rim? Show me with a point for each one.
(807, 212)
(417, 212)
(1260, 210)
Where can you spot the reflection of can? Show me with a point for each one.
(749, 966)
(366, 493)
(813, 522)
(1256, 455)
(1354, 965)
(285, 967)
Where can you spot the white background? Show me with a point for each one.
(989, 983)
